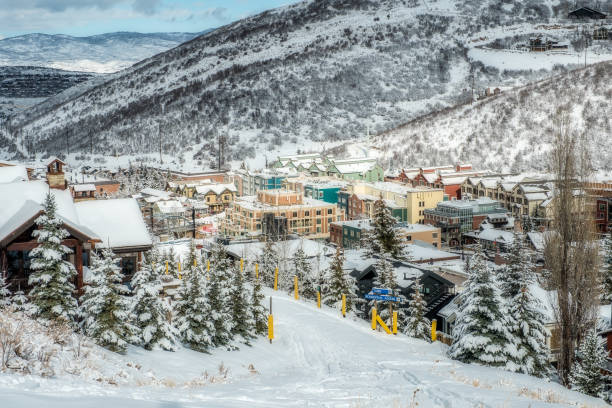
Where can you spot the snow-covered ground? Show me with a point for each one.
(316, 359)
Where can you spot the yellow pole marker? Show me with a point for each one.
(208, 266)
(241, 265)
(195, 262)
(166, 267)
(319, 299)
(276, 278)
(373, 318)
(179, 270)
(256, 271)
(434, 335)
(395, 322)
(382, 324)
(343, 305)
(295, 287)
(270, 328)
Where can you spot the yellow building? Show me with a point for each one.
(408, 203)
(279, 212)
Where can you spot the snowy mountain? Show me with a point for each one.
(317, 359)
(511, 131)
(310, 74)
(98, 53)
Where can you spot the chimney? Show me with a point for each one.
(55, 174)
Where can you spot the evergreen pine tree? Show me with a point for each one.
(193, 310)
(586, 375)
(268, 263)
(338, 282)
(151, 312)
(5, 293)
(527, 325)
(417, 325)
(51, 279)
(481, 334)
(383, 238)
(243, 323)
(219, 293)
(607, 269)
(21, 303)
(172, 259)
(258, 311)
(307, 282)
(104, 309)
(518, 268)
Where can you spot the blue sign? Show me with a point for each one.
(372, 296)
(379, 291)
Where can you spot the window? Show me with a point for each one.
(318, 212)
(318, 221)
(434, 235)
(329, 211)
(409, 238)
(307, 213)
(318, 229)
(295, 214)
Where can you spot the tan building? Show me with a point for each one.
(407, 203)
(421, 232)
(217, 197)
(521, 196)
(279, 212)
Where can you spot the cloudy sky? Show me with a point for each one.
(87, 17)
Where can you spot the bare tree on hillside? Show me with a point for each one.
(571, 250)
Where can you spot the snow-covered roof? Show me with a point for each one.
(430, 177)
(451, 181)
(119, 223)
(450, 309)
(52, 159)
(156, 193)
(11, 174)
(216, 188)
(360, 168)
(536, 196)
(361, 224)
(84, 187)
(170, 206)
(421, 253)
(496, 235)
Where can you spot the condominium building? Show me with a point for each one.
(456, 217)
(407, 203)
(280, 212)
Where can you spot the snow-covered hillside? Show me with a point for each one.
(511, 131)
(102, 53)
(317, 359)
(318, 70)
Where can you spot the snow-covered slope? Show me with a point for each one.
(511, 131)
(102, 53)
(317, 359)
(319, 71)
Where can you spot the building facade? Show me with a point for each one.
(280, 210)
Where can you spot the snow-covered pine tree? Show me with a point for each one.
(481, 334)
(383, 238)
(337, 282)
(268, 262)
(193, 310)
(258, 311)
(172, 259)
(586, 375)
(527, 325)
(243, 323)
(21, 303)
(104, 310)
(308, 284)
(607, 269)
(51, 279)
(5, 293)
(219, 295)
(417, 325)
(151, 312)
(518, 269)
